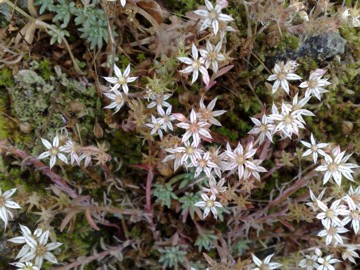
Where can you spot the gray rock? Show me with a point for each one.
(322, 46)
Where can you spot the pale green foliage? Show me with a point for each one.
(241, 246)
(58, 36)
(90, 19)
(94, 27)
(205, 240)
(64, 11)
(188, 202)
(164, 194)
(171, 257)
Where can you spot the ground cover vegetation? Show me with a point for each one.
(179, 134)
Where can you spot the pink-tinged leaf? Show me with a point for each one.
(141, 166)
(180, 117)
(288, 225)
(221, 72)
(211, 84)
(91, 221)
(70, 216)
(206, 139)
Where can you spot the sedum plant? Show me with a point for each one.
(243, 159)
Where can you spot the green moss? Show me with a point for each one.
(288, 42)
(45, 69)
(6, 78)
(4, 121)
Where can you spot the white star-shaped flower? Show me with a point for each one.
(117, 99)
(195, 129)
(207, 114)
(121, 79)
(332, 234)
(167, 119)
(264, 129)
(240, 159)
(156, 126)
(326, 263)
(314, 148)
(196, 65)
(159, 101)
(212, 55)
(329, 216)
(204, 164)
(349, 253)
(212, 16)
(36, 247)
(309, 262)
(54, 151)
(25, 266)
(215, 187)
(315, 85)
(265, 264)
(6, 204)
(209, 204)
(335, 167)
(287, 122)
(281, 77)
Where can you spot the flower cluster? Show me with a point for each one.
(120, 82)
(213, 162)
(35, 248)
(165, 119)
(211, 55)
(73, 151)
(318, 261)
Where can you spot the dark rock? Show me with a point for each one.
(322, 46)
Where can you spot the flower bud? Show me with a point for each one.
(25, 127)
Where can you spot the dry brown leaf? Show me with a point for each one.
(152, 8)
(169, 35)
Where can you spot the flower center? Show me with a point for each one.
(122, 81)
(281, 76)
(54, 151)
(119, 100)
(196, 64)
(264, 267)
(240, 159)
(287, 119)
(313, 84)
(2, 201)
(209, 203)
(41, 250)
(212, 56)
(332, 231)
(213, 15)
(159, 100)
(314, 148)
(189, 150)
(263, 128)
(157, 126)
(202, 163)
(332, 167)
(206, 114)
(309, 262)
(330, 213)
(194, 128)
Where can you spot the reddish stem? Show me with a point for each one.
(59, 182)
(149, 180)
